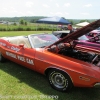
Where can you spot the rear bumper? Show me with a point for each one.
(97, 85)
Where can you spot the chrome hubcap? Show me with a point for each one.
(59, 80)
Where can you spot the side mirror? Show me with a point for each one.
(21, 45)
(53, 48)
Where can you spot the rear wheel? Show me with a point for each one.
(59, 80)
(2, 59)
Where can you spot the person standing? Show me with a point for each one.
(70, 28)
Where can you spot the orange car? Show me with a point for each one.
(64, 64)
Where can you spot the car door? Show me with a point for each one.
(26, 57)
(20, 54)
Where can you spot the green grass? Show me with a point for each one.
(20, 83)
(28, 27)
(17, 81)
(18, 33)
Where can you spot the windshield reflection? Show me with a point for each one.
(83, 38)
(43, 40)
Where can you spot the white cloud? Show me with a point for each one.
(4, 9)
(57, 4)
(45, 5)
(29, 4)
(58, 13)
(66, 13)
(67, 4)
(30, 13)
(84, 13)
(51, 13)
(88, 5)
(50, 7)
(11, 10)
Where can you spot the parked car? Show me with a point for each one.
(64, 64)
(60, 34)
(82, 40)
(93, 33)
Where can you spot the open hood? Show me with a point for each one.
(79, 32)
(82, 52)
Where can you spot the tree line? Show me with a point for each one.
(33, 19)
(25, 24)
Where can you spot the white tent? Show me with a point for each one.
(83, 24)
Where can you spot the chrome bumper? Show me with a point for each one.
(97, 85)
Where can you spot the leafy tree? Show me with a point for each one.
(21, 22)
(83, 21)
(25, 23)
(14, 24)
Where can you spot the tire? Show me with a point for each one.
(60, 80)
(2, 59)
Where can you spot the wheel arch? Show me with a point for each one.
(53, 68)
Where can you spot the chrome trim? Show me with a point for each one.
(97, 85)
(84, 78)
(29, 37)
(30, 41)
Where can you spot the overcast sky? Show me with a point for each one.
(70, 9)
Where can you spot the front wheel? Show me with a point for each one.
(59, 80)
(2, 59)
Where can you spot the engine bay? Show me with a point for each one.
(86, 56)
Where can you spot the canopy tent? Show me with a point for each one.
(83, 24)
(54, 20)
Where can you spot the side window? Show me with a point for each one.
(63, 35)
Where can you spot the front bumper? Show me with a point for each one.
(97, 85)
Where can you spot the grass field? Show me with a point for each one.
(20, 83)
(17, 33)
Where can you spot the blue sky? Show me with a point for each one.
(69, 9)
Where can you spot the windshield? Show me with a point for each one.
(83, 38)
(42, 40)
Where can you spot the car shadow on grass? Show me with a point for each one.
(40, 83)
